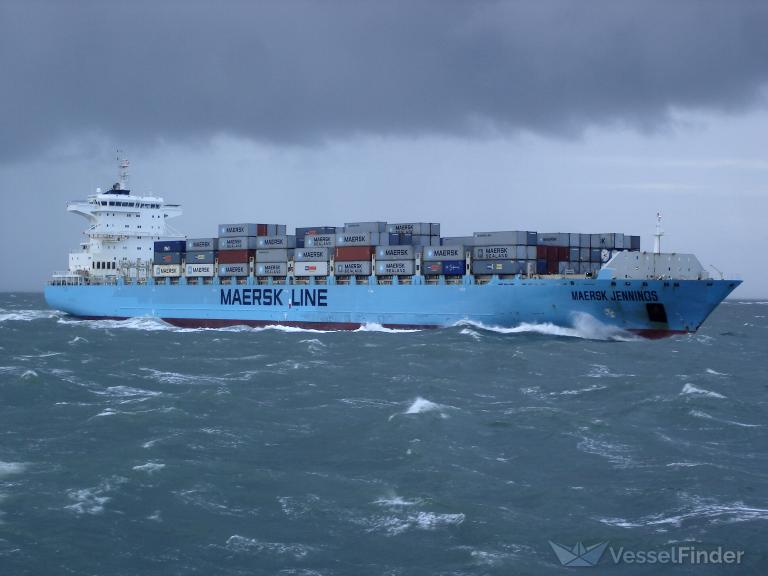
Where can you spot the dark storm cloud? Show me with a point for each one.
(299, 72)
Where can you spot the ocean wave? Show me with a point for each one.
(584, 326)
(694, 508)
(616, 453)
(395, 501)
(27, 315)
(422, 405)
(706, 416)
(375, 327)
(92, 500)
(715, 372)
(395, 524)
(149, 467)
(691, 390)
(126, 392)
(602, 371)
(237, 543)
(8, 468)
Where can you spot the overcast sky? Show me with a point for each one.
(557, 116)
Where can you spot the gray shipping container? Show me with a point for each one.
(594, 240)
(619, 241)
(320, 241)
(417, 228)
(230, 230)
(311, 254)
(238, 243)
(281, 241)
(357, 239)
(584, 254)
(584, 240)
(566, 267)
(365, 227)
(233, 269)
(594, 254)
(395, 253)
(273, 255)
(201, 257)
(434, 229)
(443, 253)
(607, 241)
(494, 253)
(202, 244)
(421, 240)
(394, 267)
(353, 268)
(457, 241)
(504, 238)
(498, 267)
(574, 240)
(552, 239)
(574, 254)
(272, 269)
(521, 252)
(531, 252)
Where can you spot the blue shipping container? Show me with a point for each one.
(167, 258)
(394, 239)
(171, 246)
(453, 267)
(541, 266)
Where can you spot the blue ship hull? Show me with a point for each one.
(646, 307)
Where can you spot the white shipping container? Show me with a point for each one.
(238, 243)
(273, 255)
(166, 270)
(199, 270)
(318, 268)
(495, 253)
(273, 242)
(311, 254)
(357, 239)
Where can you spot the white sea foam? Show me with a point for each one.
(29, 375)
(694, 508)
(92, 500)
(27, 315)
(579, 391)
(602, 371)
(691, 390)
(422, 405)
(583, 326)
(617, 454)
(705, 416)
(374, 327)
(237, 543)
(8, 468)
(126, 392)
(77, 340)
(395, 524)
(715, 372)
(150, 467)
(395, 501)
(472, 333)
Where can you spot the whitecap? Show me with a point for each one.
(92, 500)
(29, 375)
(705, 416)
(691, 390)
(77, 340)
(583, 326)
(395, 501)
(7, 468)
(125, 392)
(237, 543)
(715, 372)
(396, 524)
(422, 405)
(27, 315)
(149, 467)
(579, 391)
(602, 371)
(472, 333)
(617, 454)
(375, 327)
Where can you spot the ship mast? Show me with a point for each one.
(122, 174)
(657, 236)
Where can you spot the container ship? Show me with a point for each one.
(397, 275)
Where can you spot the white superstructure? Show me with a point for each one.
(122, 229)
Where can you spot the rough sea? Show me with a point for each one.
(131, 448)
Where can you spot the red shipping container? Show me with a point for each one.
(261, 230)
(351, 253)
(562, 253)
(235, 256)
(552, 267)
